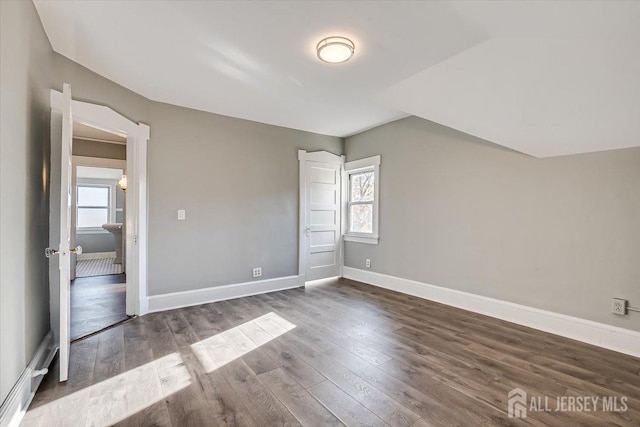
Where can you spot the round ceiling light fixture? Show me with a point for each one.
(335, 49)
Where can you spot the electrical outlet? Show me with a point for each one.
(182, 214)
(619, 306)
(257, 272)
(367, 263)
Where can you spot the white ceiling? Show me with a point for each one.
(544, 78)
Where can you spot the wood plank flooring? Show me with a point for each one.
(341, 353)
(97, 302)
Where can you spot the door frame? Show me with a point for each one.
(136, 221)
(320, 157)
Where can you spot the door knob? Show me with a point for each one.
(48, 252)
(308, 231)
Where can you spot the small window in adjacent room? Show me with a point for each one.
(94, 206)
(362, 200)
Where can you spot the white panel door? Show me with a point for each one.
(64, 250)
(323, 216)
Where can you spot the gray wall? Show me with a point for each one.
(238, 182)
(104, 150)
(560, 234)
(96, 242)
(25, 56)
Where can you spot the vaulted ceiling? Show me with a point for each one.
(543, 78)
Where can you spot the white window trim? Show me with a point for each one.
(89, 182)
(357, 166)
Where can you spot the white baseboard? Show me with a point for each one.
(96, 255)
(599, 334)
(220, 293)
(17, 402)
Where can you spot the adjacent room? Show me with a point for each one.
(97, 272)
(311, 213)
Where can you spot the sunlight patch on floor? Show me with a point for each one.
(113, 400)
(227, 346)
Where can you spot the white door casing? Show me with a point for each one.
(320, 215)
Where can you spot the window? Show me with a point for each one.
(362, 202)
(94, 206)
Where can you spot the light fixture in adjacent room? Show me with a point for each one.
(123, 182)
(335, 49)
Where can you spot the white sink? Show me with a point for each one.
(116, 230)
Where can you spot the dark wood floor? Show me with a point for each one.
(339, 353)
(97, 302)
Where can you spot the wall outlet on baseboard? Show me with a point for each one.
(257, 272)
(619, 306)
(367, 263)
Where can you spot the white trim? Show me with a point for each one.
(302, 216)
(320, 157)
(220, 293)
(137, 238)
(17, 402)
(137, 134)
(354, 167)
(91, 230)
(96, 116)
(360, 164)
(343, 210)
(96, 255)
(361, 239)
(599, 334)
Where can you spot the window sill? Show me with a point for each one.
(361, 239)
(91, 231)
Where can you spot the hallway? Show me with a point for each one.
(97, 302)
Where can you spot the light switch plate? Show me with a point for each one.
(182, 214)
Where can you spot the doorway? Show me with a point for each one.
(64, 112)
(98, 274)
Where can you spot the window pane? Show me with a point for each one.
(92, 217)
(93, 196)
(361, 219)
(362, 186)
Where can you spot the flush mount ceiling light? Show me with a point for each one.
(335, 50)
